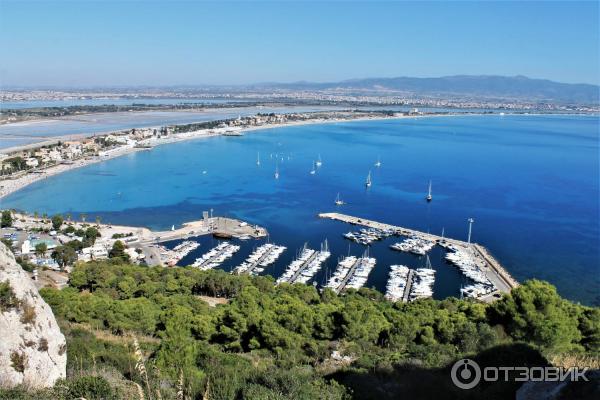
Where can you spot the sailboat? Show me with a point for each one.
(378, 163)
(276, 172)
(313, 170)
(258, 159)
(368, 182)
(429, 197)
(319, 162)
(338, 201)
(173, 228)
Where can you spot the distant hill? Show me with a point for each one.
(484, 86)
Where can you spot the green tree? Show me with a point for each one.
(535, 312)
(41, 249)
(57, 222)
(64, 255)
(7, 219)
(118, 251)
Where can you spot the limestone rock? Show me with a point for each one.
(33, 351)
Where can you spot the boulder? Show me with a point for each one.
(33, 351)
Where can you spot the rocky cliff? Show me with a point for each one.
(33, 351)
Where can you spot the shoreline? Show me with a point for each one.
(10, 186)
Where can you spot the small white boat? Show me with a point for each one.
(258, 159)
(368, 183)
(338, 201)
(313, 170)
(173, 227)
(319, 162)
(378, 163)
(276, 172)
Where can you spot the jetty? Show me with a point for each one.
(494, 271)
(216, 256)
(218, 226)
(262, 257)
(408, 287)
(303, 267)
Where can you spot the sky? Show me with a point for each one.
(158, 43)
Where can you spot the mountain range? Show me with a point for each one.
(472, 86)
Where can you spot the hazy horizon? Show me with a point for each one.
(161, 44)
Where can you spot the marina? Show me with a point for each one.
(351, 272)
(261, 258)
(306, 265)
(422, 284)
(397, 282)
(414, 245)
(178, 252)
(216, 256)
(368, 236)
(469, 254)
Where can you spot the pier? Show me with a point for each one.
(409, 281)
(218, 226)
(215, 258)
(494, 271)
(303, 267)
(251, 265)
(349, 275)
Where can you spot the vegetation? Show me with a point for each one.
(8, 299)
(7, 219)
(279, 342)
(64, 255)
(57, 222)
(41, 249)
(118, 251)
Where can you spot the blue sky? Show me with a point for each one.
(166, 42)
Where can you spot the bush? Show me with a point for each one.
(8, 300)
(90, 387)
(17, 361)
(28, 316)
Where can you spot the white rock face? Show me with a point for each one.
(33, 351)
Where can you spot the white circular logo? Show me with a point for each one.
(465, 373)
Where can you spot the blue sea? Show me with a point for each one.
(530, 182)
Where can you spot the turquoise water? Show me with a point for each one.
(530, 182)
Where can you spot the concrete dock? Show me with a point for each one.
(303, 267)
(225, 227)
(494, 271)
(409, 281)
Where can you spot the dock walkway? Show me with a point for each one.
(494, 271)
(251, 269)
(303, 267)
(215, 257)
(409, 282)
(349, 275)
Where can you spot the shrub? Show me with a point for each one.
(28, 316)
(8, 299)
(17, 361)
(90, 387)
(43, 345)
